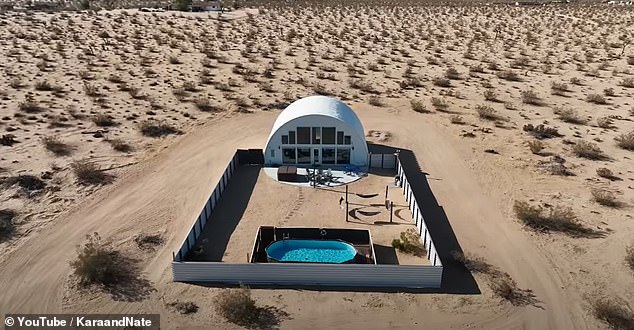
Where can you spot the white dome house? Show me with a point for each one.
(317, 130)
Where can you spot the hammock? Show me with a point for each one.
(367, 195)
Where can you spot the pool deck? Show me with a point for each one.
(254, 199)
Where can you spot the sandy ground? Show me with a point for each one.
(162, 183)
(247, 205)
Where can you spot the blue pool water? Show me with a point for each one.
(303, 250)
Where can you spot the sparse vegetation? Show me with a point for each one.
(153, 128)
(605, 197)
(238, 307)
(55, 145)
(569, 115)
(89, 173)
(559, 219)
(96, 263)
(626, 141)
(530, 97)
(588, 150)
(418, 106)
(596, 99)
(536, 146)
(409, 242)
(613, 312)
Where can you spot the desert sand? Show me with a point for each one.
(159, 103)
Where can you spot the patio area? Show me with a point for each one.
(332, 176)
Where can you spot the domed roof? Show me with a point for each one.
(321, 106)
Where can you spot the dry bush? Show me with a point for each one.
(609, 91)
(375, 101)
(472, 263)
(629, 256)
(28, 184)
(627, 82)
(103, 120)
(613, 312)
(204, 104)
(588, 150)
(596, 99)
(148, 242)
(120, 145)
(96, 263)
(530, 97)
(605, 122)
(418, 106)
(8, 140)
(625, 141)
(605, 197)
(487, 112)
(457, 119)
(540, 131)
(559, 88)
(237, 306)
(509, 75)
(505, 287)
(490, 95)
(606, 173)
(183, 307)
(7, 226)
(89, 173)
(55, 145)
(155, 128)
(410, 242)
(569, 115)
(439, 103)
(536, 146)
(442, 82)
(452, 74)
(559, 219)
(30, 106)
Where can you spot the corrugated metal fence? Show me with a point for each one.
(205, 214)
(348, 275)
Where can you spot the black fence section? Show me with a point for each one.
(250, 156)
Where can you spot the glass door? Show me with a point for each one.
(316, 159)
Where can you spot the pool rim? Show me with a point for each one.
(356, 252)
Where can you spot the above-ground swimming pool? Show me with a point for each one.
(308, 250)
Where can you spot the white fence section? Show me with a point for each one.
(205, 214)
(432, 254)
(349, 275)
(382, 160)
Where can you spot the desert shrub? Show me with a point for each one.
(418, 106)
(175, 60)
(576, 81)
(95, 263)
(154, 128)
(629, 256)
(103, 120)
(91, 89)
(457, 119)
(609, 91)
(504, 287)
(439, 103)
(148, 242)
(487, 112)
(44, 86)
(89, 173)
(28, 183)
(530, 97)
(605, 197)
(442, 82)
(237, 307)
(183, 307)
(375, 101)
(614, 313)
(558, 219)
(596, 99)
(490, 95)
(30, 106)
(452, 74)
(473, 264)
(536, 146)
(627, 82)
(625, 141)
(605, 122)
(8, 140)
(6, 223)
(559, 88)
(409, 243)
(605, 173)
(509, 75)
(120, 145)
(569, 115)
(588, 150)
(541, 132)
(55, 145)
(204, 104)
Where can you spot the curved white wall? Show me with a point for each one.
(317, 111)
